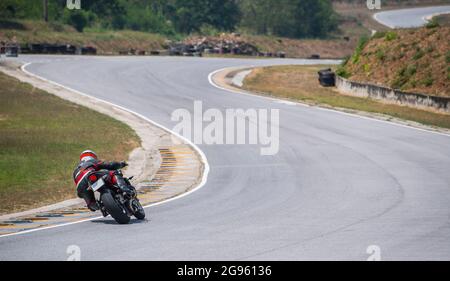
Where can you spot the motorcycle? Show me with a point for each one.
(114, 201)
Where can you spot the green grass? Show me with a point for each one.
(419, 54)
(404, 76)
(41, 137)
(359, 48)
(300, 83)
(391, 35)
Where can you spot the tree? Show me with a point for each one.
(191, 15)
(78, 19)
(21, 9)
(45, 4)
(291, 18)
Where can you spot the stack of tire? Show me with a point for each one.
(327, 78)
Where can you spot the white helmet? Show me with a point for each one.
(88, 155)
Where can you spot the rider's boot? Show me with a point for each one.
(91, 203)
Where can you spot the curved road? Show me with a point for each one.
(339, 183)
(414, 17)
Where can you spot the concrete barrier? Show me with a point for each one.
(422, 101)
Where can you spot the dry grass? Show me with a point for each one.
(303, 48)
(41, 137)
(106, 41)
(443, 20)
(301, 83)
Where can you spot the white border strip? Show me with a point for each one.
(211, 81)
(196, 148)
(375, 17)
(278, 100)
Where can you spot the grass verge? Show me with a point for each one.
(301, 83)
(41, 137)
(107, 42)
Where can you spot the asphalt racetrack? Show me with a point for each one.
(413, 17)
(339, 183)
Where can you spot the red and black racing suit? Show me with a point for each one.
(84, 168)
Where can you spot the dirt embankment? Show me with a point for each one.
(326, 48)
(294, 48)
(413, 60)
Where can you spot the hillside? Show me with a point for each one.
(413, 60)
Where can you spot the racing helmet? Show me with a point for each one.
(88, 155)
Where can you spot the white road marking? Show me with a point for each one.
(199, 151)
(286, 102)
(210, 79)
(211, 75)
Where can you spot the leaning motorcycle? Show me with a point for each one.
(112, 200)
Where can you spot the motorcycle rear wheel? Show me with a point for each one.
(114, 209)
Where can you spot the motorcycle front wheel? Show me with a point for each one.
(138, 211)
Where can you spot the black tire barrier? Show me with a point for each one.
(327, 77)
(66, 49)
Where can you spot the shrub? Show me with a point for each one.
(411, 70)
(432, 24)
(79, 19)
(419, 54)
(400, 79)
(403, 76)
(381, 55)
(361, 44)
(342, 72)
(379, 34)
(428, 81)
(391, 35)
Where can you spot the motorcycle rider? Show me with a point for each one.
(89, 163)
